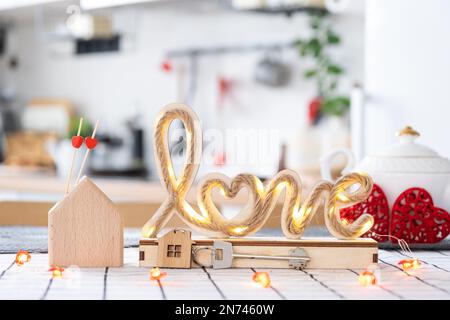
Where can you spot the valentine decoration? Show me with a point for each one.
(91, 143)
(295, 215)
(407, 264)
(367, 278)
(57, 272)
(156, 274)
(22, 257)
(262, 279)
(413, 179)
(377, 206)
(77, 141)
(416, 219)
(176, 248)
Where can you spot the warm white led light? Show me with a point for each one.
(262, 197)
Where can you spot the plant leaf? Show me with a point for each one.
(314, 47)
(334, 69)
(332, 37)
(310, 73)
(336, 105)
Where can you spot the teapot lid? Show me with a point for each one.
(406, 156)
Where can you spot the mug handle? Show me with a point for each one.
(327, 160)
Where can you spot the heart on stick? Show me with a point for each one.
(377, 206)
(91, 143)
(77, 141)
(415, 219)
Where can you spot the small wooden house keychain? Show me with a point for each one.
(85, 228)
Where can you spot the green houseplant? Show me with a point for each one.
(324, 71)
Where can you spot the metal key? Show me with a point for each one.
(222, 256)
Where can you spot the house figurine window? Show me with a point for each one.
(174, 251)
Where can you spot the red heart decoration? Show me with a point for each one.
(77, 141)
(415, 219)
(377, 206)
(91, 143)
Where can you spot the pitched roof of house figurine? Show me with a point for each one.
(85, 229)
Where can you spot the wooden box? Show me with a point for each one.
(323, 252)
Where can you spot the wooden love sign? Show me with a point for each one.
(349, 190)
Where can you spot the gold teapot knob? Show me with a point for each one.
(408, 131)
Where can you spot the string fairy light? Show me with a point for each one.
(262, 279)
(405, 264)
(262, 200)
(22, 257)
(57, 272)
(157, 274)
(367, 278)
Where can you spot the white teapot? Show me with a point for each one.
(403, 165)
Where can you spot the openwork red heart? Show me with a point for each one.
(415, 219)
(377, 206)
(91, 143)
(77, 141)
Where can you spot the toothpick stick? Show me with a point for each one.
(86, 155)
(69, 177)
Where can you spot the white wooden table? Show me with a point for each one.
(33, 281)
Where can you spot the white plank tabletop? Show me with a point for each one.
(34, 281)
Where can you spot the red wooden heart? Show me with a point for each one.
(77, 141)
(91, 143)
(415, 219)
(377, 206)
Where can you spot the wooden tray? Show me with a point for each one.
(324, 252)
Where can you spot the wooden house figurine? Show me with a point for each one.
(175, 249)
(85, 229)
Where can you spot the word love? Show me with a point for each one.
(295, 216)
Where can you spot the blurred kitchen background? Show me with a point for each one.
(276, 84)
